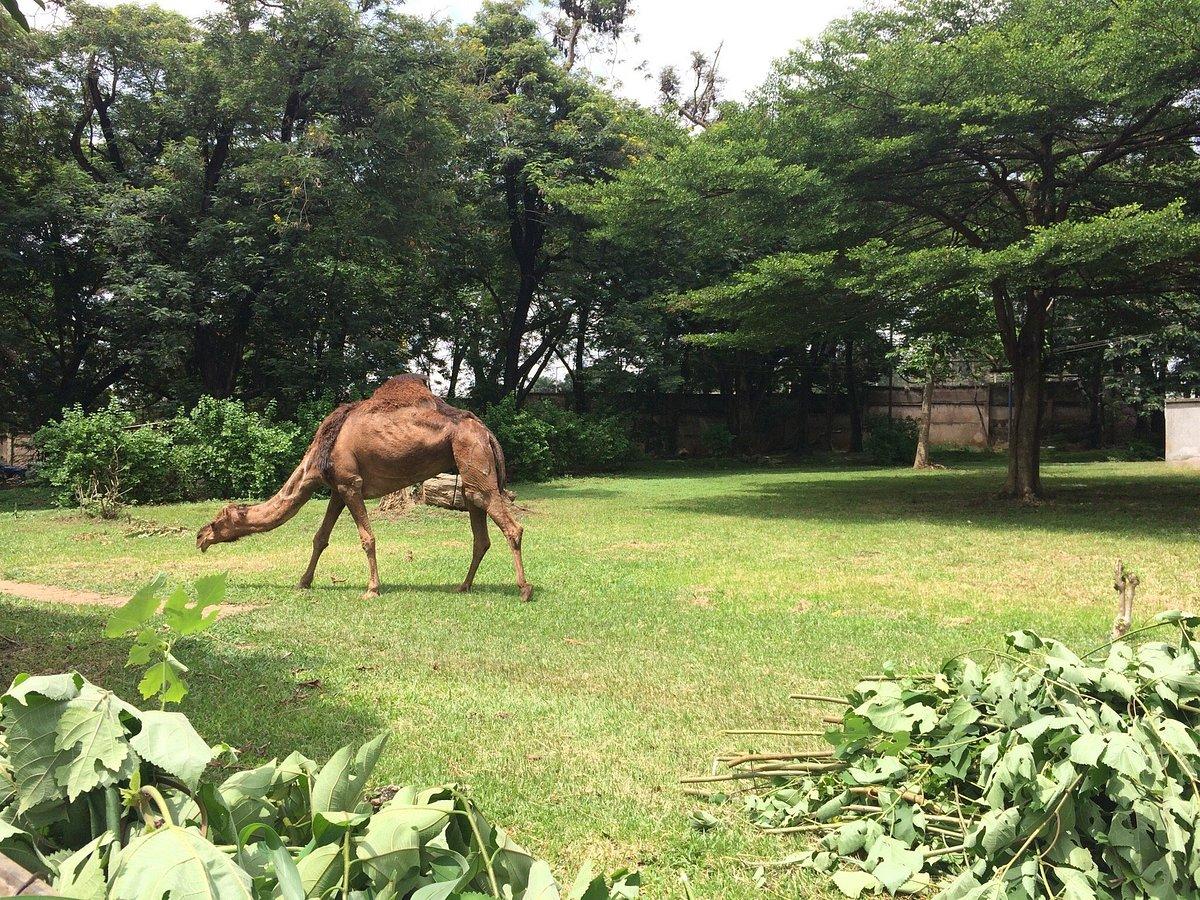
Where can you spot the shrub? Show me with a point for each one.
(890, 442)
(100, 460)
(583, 443)
(525, 439)
(229, 451)
(717, 440)
(543, 440)
(1141, 450)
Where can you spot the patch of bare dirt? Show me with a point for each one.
(48, 593)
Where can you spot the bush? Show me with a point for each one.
(229, 451)
(543, 440)
(1141, 451)
(584, 443)
(100, 460)
(525, 439)
(890, 442)
(717, 440)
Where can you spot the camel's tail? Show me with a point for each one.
(498, 456)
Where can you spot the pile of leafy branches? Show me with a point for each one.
(1031, 772)
(106, 800)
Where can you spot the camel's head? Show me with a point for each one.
(224, 528)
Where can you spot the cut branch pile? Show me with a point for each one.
(1025, 773)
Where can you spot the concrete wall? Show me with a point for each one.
(1183, 428)
(16, 449)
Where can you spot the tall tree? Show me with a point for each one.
(1035, 150)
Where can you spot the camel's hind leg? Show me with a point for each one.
(479, 470)
(480, 531)
(321, 539)
(352, 495)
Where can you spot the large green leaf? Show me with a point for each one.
(169, 741)
(62, 748)
(90, 727)
(177, 864)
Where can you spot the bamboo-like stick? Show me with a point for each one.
(819, 698)
(763, 757)
(762, 773)
(797, 829)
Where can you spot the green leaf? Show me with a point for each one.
(169, 741)
(81, 875)
(893, 863)
(852, 884)
(91, 729)
(340, 783)
(187, 618)
(164, 679)
(52, 687)
(179, 864)
(287, 875)
(138, 610)
(999, 829)
(320, 870)
(61, 748)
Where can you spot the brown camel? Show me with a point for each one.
(399, 436)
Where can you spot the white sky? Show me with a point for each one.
(753, 33)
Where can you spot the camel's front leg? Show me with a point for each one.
(497, 508)
(321, 540)
(480, 547)
(352, 495)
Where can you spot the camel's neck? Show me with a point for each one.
(286, 503)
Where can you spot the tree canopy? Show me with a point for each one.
(289, 201)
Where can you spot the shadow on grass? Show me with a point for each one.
(1140, 504)
(260, 699)
(24, 497)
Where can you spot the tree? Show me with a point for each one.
(1035, 150)
(252, 204)
(548, 129)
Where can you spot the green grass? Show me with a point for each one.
(670, 604)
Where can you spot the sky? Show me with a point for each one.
(751, 33)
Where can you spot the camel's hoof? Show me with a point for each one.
(304, 585)
(464, 588)
(371, 595)
(527, 593)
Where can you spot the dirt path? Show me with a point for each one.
(47, 593)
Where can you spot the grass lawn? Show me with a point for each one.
(669, 605)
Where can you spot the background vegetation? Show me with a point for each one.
(287, 202)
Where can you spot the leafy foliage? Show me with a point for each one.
(890, 442)
(104, 456)
(1035, 772)
(123, 792)
(154, 641)
(542, 440)
(227, 450)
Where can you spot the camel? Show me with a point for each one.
(399, 436)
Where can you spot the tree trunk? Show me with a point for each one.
(1025, 428)
(922, 459)
(578, 388)
(1096, 402)
(854, 399)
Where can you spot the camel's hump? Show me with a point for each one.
(404, 390)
